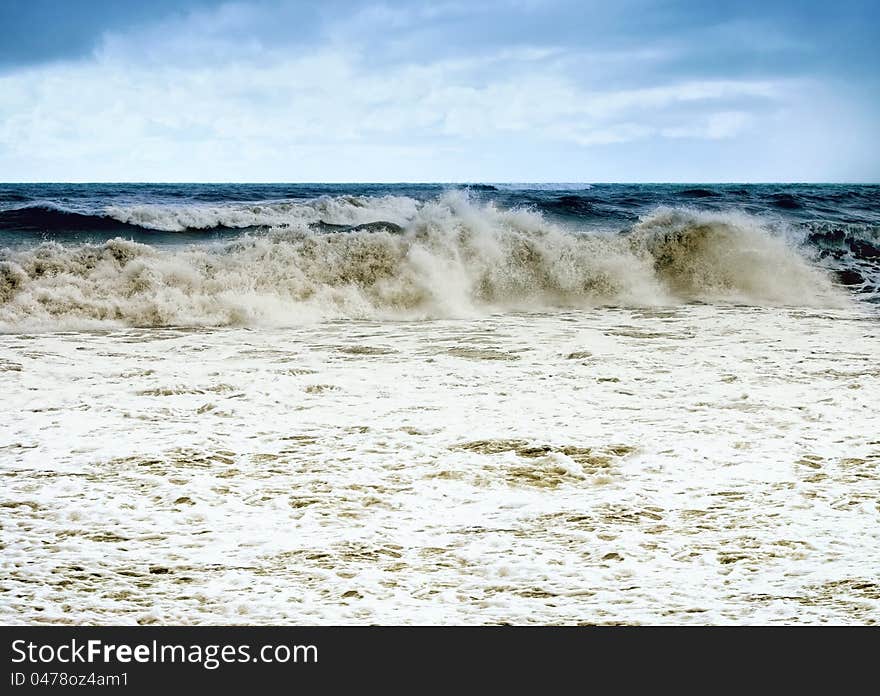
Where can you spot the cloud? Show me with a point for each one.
(104, 107)
(722, 125)
(228, 93)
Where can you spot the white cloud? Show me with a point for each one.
(234, 111)
(718, 126)
(199, 100)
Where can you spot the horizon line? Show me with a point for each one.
(447, 183)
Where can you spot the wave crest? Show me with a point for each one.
(336, 210)
(732, 256)
(176, 217)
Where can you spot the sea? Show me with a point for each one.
(439, 403)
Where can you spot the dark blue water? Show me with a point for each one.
(58, 209)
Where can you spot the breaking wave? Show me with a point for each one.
(158, 217)
(445, 258)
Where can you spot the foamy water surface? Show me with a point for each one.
(673, 464)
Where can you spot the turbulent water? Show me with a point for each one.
(440, 404)
(86, 256)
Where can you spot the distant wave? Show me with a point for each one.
(450, 258)
(47, 217)
(13, 196)
(338, 210)
(579, 205)
(560, 186)
(698, 193)
(785, 201)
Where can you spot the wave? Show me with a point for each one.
(335, 210)
(851, 251)
(13, 196)
(579, 205)
(452, 258)
(157, 217)
(861, 241)
(698, 193)
(47, 217)
(549, 186)
(786, 201)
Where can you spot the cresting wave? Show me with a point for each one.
(449, 258)
(158, 217)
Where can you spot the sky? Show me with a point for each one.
(499, 90)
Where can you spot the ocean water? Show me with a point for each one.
(77, 256)
(556, 403)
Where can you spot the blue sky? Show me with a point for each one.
(514, 90)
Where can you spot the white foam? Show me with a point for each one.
(688, 464)
(342, 210)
